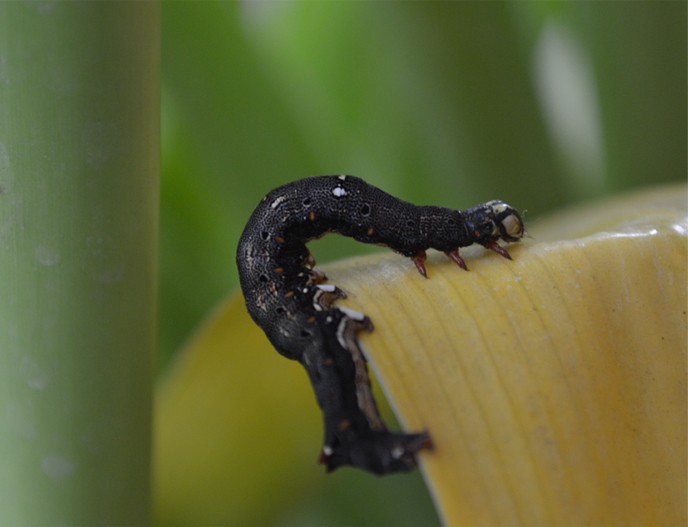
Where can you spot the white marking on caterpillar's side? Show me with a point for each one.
(328, 288)
(339, 192)
(341, 336)
(327, 450)
(352, 313)
(317, 305)
(397, 452)
(277, 202)
(364, 395)
(342, 177)
(307, 360)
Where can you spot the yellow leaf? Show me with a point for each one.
(553, 385)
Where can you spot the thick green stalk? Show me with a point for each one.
(79, 139)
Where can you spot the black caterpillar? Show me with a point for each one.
(286, 297)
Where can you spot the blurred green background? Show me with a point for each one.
(541, 104)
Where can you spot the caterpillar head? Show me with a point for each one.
(495, 220)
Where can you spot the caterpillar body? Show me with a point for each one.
(287, 297)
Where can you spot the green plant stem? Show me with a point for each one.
(79, 170)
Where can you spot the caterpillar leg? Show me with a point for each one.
(454, 255)
(494, 246)
(419, 261)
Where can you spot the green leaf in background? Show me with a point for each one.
(79, 188)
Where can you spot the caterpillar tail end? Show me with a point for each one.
(379, 452)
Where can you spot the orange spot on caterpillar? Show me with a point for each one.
(344, 424)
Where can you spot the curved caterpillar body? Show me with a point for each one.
(286, 296)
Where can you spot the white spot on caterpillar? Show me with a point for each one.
(343, 178)
(327, 450)
(339, 192)
(351, 313)
(397, 452)
(277, 202)
(328, 288)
